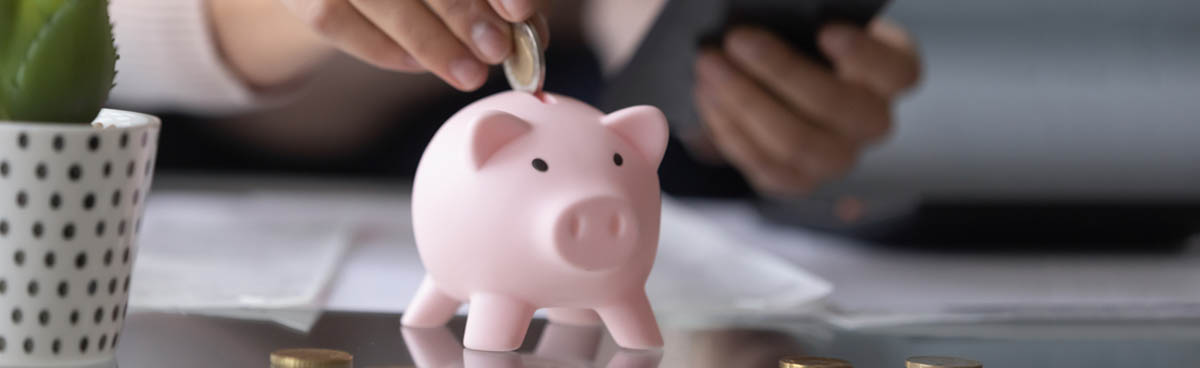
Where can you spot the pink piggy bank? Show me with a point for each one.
(521, 203)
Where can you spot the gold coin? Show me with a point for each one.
(941, 362)
(525, 68)
(311, 358)
(812, 362)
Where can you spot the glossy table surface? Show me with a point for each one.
(377, 340)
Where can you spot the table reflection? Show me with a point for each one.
(560, 345)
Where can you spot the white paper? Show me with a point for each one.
(701, 271)
(219, 254)
(278, 255)
(876, 285)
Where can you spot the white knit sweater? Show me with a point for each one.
(169, 61)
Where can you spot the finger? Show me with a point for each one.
(342, 25)
(477, 25)
(850, 110)
(759, 168)
(420, 32)
(784, 135)
(514, 10)
(893, 35)
(862, 58)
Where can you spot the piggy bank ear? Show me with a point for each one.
(645, 127)
(492, 131)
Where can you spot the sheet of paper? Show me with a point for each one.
(285, 255)
(702, 272)
(875, 285)
(222, 254)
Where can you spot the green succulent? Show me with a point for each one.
(57, 59)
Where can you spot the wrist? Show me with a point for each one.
(263, 43)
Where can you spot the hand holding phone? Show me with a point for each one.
(792, 105)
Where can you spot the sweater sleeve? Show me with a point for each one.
(169, 60)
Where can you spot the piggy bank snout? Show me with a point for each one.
(596, 233)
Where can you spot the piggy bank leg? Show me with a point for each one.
(496, 323)
(631, 323)
(430, 307)
(573, 316)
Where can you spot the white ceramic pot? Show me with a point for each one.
(71, 199)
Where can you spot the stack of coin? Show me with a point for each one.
(812, 362)
(941, 362)
(311, 358)
(526, 67)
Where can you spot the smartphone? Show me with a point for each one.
(661, 73)
(796, 21)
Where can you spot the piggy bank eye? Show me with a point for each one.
(540, 165)
(617, 159)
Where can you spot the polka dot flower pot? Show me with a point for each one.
(71, 199)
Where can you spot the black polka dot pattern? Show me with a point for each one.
(71, 202)
(75, 172)
(89, 201)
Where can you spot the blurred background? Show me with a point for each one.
(1035, 122)
(1045, 167)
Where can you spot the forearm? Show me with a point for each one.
(263, 43)
(170, 60)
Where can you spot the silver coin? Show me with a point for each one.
(526, 67)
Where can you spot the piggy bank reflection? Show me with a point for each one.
(523, 202)
(560, 346)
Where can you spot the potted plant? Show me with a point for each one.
(73, 178)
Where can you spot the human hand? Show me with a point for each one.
(788, 123)
(454, 39)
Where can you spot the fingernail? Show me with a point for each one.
(837, 39)
(468, 72)
(490, 42)
(514, 8)
(746, 44)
